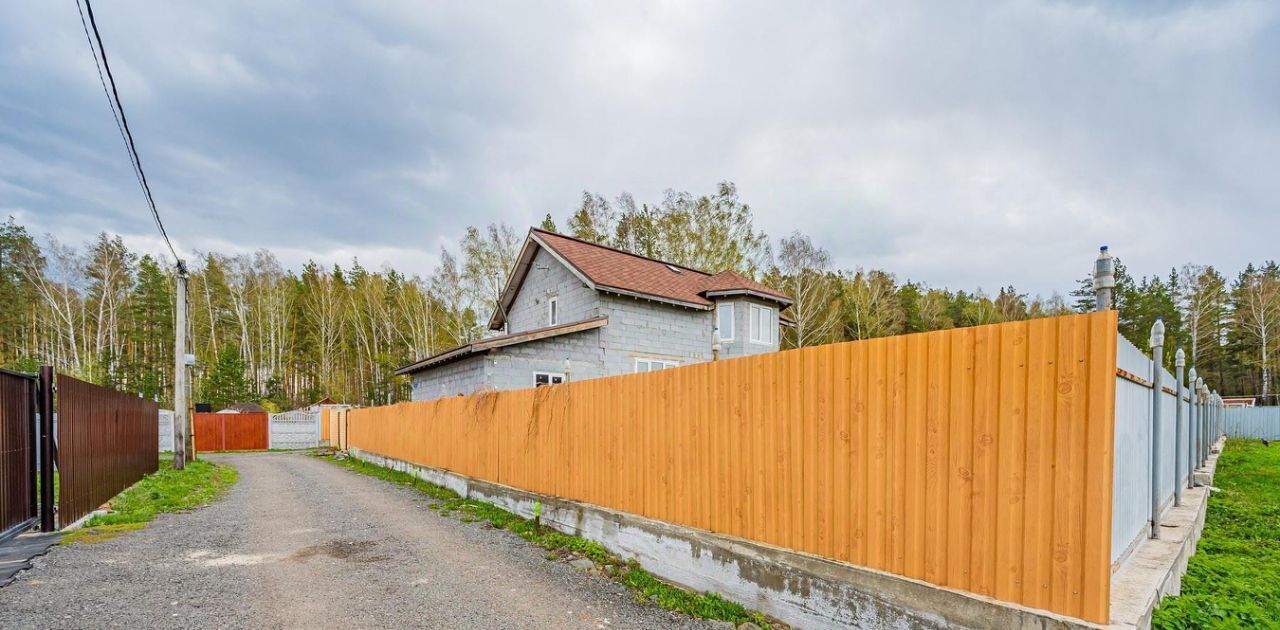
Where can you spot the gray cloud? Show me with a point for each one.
(966, 144)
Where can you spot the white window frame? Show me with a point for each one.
(733, 322)
(553, 310)
(666, 364)
(769, 335)
(551, 376)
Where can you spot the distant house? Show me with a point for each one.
(245, 407)
(570, 306)
(1239, 401)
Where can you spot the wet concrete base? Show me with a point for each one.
(800, 589)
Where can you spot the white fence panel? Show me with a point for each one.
(166, 430)
(295, 429)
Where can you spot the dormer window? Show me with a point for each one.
(553, 311)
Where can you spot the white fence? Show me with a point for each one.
(166, 430)
(295, 429)
(1252, 422)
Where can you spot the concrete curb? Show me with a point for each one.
(1155, 568)
(83, 519)
(800, 589)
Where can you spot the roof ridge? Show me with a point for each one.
(620, 251)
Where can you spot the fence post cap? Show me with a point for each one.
(1180, 359)
(1157, 333)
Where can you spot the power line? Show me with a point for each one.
(122, 122)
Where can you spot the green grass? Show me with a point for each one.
(644, 585)
(1233, 580)
(166, 490)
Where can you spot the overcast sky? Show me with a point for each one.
(960, 144)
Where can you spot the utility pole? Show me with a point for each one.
(180, 432)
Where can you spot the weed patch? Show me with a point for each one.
(101, 533)
(559, 546)
(166, 490)
(1233, 580)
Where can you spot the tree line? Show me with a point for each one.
(285, 337)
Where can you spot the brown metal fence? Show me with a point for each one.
(106, 442)
(17, 453)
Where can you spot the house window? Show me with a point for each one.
(724, 321)
(763, 328)
(553, 311)
(652, 365)
(547, 378)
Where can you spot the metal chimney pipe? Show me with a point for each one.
(1104, 280)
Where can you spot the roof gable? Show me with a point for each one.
(613, 270)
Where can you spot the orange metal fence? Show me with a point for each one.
(231, 431)
(975, 458)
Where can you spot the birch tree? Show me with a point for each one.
(1258, 317)
(804, 273)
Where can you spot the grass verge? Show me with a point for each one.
(643, 584)
(1233, 580)
(166, 490)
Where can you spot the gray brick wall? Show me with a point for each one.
(646, 329)
(513, 367)
(460, 377)
(547, 278)
(741, 345)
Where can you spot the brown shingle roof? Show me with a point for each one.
(610, 268)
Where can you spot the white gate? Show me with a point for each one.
(166, 431)
(295, 429)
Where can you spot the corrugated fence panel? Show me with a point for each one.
(231, 431)
(106, 442)
(17, 452)
(977, 458)
(1133, 438)
(1252, 422)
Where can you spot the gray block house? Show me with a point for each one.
(577, 310)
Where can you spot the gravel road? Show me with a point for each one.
(298, 543)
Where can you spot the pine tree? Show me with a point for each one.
(226, 383)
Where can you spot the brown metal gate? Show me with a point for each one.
(106, 443)
(18, 504)
(231, 431)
